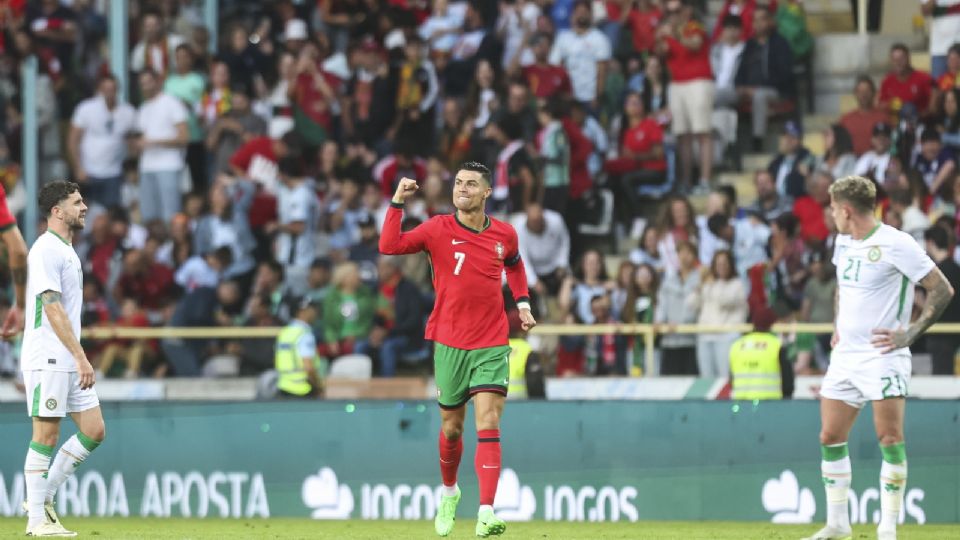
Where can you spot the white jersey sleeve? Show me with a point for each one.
(910, 259)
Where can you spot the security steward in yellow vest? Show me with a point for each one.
(526, 372)
(759, 365)
(296, 358)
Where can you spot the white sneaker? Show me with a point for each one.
(831, 533)
(49, 529)
(887, 534)
(48, 510)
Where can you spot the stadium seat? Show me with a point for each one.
(352, 366)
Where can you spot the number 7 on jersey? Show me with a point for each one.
(460, 257)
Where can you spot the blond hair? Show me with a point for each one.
(857, 191)
(342, 272)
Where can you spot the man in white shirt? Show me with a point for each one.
(877, 269)
(748, 237)
(440, 29)
(157, 50)
(584, 51)
(97, 142)
(57, 375)
(544, 248)
(944, 31)
(299, 214)
(162, 123)
(873, 164)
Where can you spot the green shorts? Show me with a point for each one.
(460, 374)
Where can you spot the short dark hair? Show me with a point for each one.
(479, 168)
(900, 47)
(954, 49)
(54, 193)
(732, 21)
(939, 236)
(511, 127)
(185, 46)
(929, 134)
(717, 223)
(274, 267)
(863, 78)
(224, 255)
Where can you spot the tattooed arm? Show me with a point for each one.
(939, 293)
(60, 323)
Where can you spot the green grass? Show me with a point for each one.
(133, 528)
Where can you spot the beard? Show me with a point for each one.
(75, 224)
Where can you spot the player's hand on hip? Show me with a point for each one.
(87, 377)
(889, 340)
(406, 188)
(526, 320)
(13, 322)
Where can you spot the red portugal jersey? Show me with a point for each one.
(467, 268)
(6, 218)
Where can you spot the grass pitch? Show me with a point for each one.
(191, 529)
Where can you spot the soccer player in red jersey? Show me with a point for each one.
(468, 252)
(17, 255)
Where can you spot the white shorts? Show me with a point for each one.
(856, 381)
(54, 394)
(691, 106)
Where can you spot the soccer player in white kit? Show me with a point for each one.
(877, 269)
(56, 373)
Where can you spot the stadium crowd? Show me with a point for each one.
(235, 184)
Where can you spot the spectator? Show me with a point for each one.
(943, 347)
(204, 270)
(149, 283)
(417, 89)
(544, 78)
(640, 158)
(811, 208)
(440, 29)
(366, 252)
(944, 29)
(227, 224)
(725, 57)
(913, 220)
(819, 295)
(242, 57)
(595, 135)
(233, 128)
(640, 307)
(515, 185)
(97, 142)
(53, 29)
(369, 102)
(162, 123)
(606, 354)
(765, 75)
(904, 84)
(348, 312)
(656, 83)
(345, 213)
(544, 248)
(402, 163)
(589, 280)
(791, 21)
(642, 19)
(787, 264)
(156, 52)
(794, 162)
(132, 351)
(677, 304)
(518, 105)
(187, 85)
(553, 146)
(314, 97)
(937, 164)
(455, 132)
(296, 226)
(584, 51)
(296, 35)
(474, 43)
(685, 45)
(874, 163)
(482, 94)
(258, 158)
(269, 284)
(514, 25)
(861, 121)
(949, 78)
(402, 333)
(676, 226)
(950, 119)
(748, 237)
(744, 11)
(646, 252)
(838, 159)
(279, 113)
(722, 301)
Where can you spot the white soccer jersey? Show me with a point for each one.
(875, 278)
(52, 265)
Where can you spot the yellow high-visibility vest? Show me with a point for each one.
(292, 375)
(755, 367)
(520, 351)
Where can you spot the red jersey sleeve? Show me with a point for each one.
(516, 276)
(395, 242)
(241, 158)
(6, 218)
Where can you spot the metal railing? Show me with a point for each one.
(648, 332)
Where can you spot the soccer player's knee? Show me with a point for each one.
(489, 420)
(46, 439)
(886, 439)
(452, 431)
(829, 437)
(96, 432)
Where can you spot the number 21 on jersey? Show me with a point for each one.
(852, 271)
(460, 257)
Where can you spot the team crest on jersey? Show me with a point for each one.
(499, 248)
(874, 254)
(51, 404)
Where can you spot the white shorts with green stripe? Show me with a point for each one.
(857, 379)
(54, 394)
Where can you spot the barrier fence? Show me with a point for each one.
(647, 332)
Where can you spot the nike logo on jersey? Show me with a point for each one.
(458, 242)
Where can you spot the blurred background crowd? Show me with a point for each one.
(235, 187)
